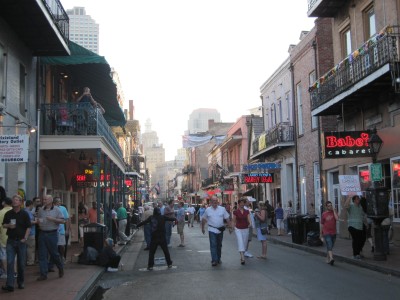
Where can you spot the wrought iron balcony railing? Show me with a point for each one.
(60, 17)
(188, 170)
(207, 182)
(324, 8)
(76, 119)
(380, 50)
(282, 133)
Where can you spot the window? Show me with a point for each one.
(288, 107)
(394, 204)
(303, 193)
(299, 109)
(314, 119)
(2, 73)
(280, 112)
(317, 194)
(369, 22)
(22, 92)
(346, 42)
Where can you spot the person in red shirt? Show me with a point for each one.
(241, 223)
(328, 230)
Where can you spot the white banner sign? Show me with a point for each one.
(14, 148)
(349, 185)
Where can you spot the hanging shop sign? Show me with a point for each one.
(346, 144)
(14, 148)
(258, 178)
(261, 166)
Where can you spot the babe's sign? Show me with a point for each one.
(346, 144)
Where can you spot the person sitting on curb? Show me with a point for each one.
(108, 258)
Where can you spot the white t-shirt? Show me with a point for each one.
(215, 217)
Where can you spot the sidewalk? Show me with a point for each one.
(343, 253)
(78, 281)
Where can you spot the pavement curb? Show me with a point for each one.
(90, 287)
(359, 263)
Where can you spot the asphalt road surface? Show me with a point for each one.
(287, 274)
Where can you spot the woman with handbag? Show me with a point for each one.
(260, 217)
(241, 223)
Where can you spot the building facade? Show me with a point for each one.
(362, 90)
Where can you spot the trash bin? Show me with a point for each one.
(297, 226)
(94, 235)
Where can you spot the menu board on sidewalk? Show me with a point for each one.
(14, 148)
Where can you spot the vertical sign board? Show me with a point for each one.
(349, 185)
(14, 148)
(376, 172)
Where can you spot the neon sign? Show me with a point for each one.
(258, 178)
(346, 144)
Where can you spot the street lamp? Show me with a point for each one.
(375, 145)
(377, 199)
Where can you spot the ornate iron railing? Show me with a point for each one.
(380, 50)
(281, 133)
(76, 119)
(60, 17)
(207, 182)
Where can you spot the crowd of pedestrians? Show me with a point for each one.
(32, 232)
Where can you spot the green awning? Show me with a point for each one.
(86, 68)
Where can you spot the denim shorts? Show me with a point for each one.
(329, 241)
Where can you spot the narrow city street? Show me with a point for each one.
(287, 274)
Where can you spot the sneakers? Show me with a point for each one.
(214, 264)
(170, 266)
(248, 254)
(109, 269)
(358, 257)
(180, 245)
(3, 276)
(60, 273)
(149, 268)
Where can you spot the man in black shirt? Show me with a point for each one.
(18, 226)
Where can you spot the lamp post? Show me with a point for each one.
(377, 197)
(375, 145)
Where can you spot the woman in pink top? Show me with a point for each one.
(328, 230)
(241, 223)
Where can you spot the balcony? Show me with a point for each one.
(282, 135)
(324, 8)
(188, 170)
(207, 182)
(43, 25)
(71, 119)
(373, 66)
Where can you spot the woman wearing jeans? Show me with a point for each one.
(328, 230)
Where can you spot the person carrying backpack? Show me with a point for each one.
(157, 222)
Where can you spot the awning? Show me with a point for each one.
(249, 192)
(91, 70)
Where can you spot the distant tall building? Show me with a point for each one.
(154, 152)
(83, 30)
(198, 119)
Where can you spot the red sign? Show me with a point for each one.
(258, 178)
(346, 144)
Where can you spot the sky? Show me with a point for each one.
(175, 56)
